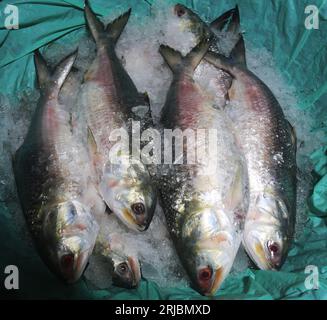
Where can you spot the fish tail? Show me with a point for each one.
(42, 70)
(220, 62)
(113, 30)
(177, 62)
(221, 22)
(237, 57)
(238, 53)
(172, 57)
(61, 72)
(63, 69)
(228, 21)
(95, 26)
(235, 23)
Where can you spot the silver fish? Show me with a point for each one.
(112, 101)
(269, 145)
(124, 268)
(51, 191)
(204, 209)
(224, 32)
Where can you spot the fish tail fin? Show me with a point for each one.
(228, 22)
(237, 57)
(220, 62)
(221, 22)
(173, 58)
(44, 74)
(95, 26)
(238, 53)
(176, 61)
(235, 22)
(63, 69)
(115, 28)
(196, 55)
(42, 70)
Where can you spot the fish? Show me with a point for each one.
(50, 187)
(112, 102)
(226, 25)
(268, 142)
(124, 268)
(224, 32)
(204, 206)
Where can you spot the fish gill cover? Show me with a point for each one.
(281, 51)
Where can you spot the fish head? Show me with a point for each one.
(267, 232)
(69, 233)
(126, 270)
(209, 251)
(127, 189)
(190, 21)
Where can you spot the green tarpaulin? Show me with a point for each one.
(301, 56)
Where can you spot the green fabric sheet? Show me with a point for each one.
(301, 57)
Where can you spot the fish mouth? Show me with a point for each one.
(130, 220)
(136, 271)
(73, 273)
(216, 282)
(262, 261)
(131, 278)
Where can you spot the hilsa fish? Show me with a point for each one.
(111, 101)
(268, 142)
(224, 32)
(204, 209)
(124, 268)
(51, 190)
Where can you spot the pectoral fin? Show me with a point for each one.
(293, 135)
(235, 194)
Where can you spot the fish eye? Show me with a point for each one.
(122, 268)
(138, 208)
(180, 11)
(273, 247)
(205, 274)
(67, 261)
